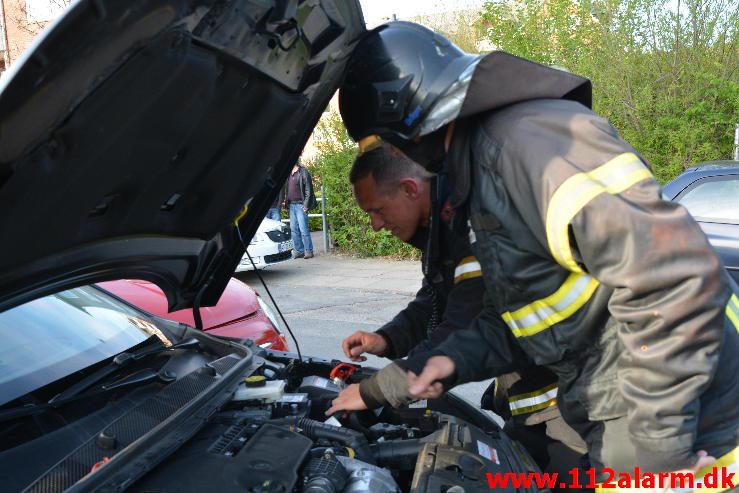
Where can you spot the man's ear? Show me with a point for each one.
(410, 187)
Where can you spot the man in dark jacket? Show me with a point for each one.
(613, 289)
(299, 200)
(403, 198)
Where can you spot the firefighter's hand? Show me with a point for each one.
(363, 342)
(427, 385)
(704, 460)
(348, 399)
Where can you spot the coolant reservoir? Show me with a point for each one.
(271, 391)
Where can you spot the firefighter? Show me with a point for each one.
(412, 204)
(597, 279)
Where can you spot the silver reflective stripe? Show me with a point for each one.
(464, 269)
(542, 314)
(533, 401)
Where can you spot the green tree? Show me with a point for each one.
(665, 74)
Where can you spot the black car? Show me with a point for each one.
(710, 192)
(131, 136)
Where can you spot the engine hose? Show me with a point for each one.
(397, 454)
(315, 429)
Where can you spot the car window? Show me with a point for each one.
(716, 199)
(49, 338)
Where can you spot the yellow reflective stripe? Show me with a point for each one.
(729, 461)
(542, 314)
(467, 260)
(533, 401)
(468, 268)
(368, 143)
(732, 311)
(613, 177)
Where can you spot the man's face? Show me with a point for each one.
(401, 210)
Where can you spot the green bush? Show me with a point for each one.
(666, 75)
(350, 226)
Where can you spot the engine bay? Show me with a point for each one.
(235, 418)
(274, 437)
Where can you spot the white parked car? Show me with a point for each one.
(271, 244)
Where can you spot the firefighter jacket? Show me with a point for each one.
(597, 279)
(450, 298)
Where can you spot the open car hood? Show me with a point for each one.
(133, 133)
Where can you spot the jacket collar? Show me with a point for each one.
(501, 79)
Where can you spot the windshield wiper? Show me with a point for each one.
(121, 360)
(146, 375)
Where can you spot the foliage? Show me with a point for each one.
(350, 226)
(462, 27)
(665, 74)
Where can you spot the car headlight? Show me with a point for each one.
(270, 314)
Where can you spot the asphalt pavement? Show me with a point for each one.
(326, 298)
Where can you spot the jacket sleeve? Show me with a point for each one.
(485, 350)
(408, 328)
(463, 304)
(596, 208)
(283, 196)
(309, 196)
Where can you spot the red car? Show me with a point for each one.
(239, 314)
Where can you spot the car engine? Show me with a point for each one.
(214, 415)
(274, 437)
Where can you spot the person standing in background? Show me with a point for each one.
(300, 199)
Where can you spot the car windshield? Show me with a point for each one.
(714, 199)
(52, 337)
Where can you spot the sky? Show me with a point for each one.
(375, 10)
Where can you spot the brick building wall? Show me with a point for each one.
(23, 20)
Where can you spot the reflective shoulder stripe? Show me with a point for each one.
(732, 311)
(542, 314)
(467, 268)
(728, 463)
(615, 176)
(533, 401)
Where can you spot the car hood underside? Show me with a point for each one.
(133, 133)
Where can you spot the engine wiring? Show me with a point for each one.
(274, 303)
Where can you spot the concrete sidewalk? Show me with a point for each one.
(342, 271)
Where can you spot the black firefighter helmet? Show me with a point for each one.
(406, 81)
(396, 75)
